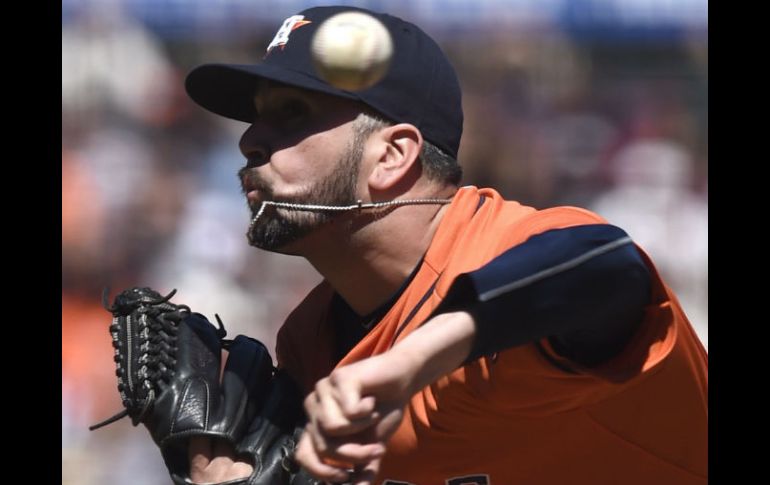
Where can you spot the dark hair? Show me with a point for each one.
(436, 165)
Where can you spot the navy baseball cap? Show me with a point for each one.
(420, 87)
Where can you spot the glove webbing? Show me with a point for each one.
(146, 325)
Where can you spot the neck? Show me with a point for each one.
(367, 256)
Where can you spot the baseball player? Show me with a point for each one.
(456, 337)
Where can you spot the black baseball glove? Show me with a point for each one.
(168, 368)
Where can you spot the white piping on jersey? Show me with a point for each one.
(559, 268)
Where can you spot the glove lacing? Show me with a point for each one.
(157, 331)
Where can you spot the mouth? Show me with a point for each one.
(253, 187)
(256, 192)
(254, 198)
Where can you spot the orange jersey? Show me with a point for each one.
(526, 415)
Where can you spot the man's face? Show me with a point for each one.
(300, 149)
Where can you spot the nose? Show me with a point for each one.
(254, 145)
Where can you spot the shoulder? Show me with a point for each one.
(560, 217)
(506, 223)
(513, 215)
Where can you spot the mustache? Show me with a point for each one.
(251, 180)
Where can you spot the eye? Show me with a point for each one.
(292, 111)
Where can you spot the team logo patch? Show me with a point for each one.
(282, 36)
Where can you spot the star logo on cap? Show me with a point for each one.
(282, 36)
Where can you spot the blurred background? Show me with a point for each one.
(595, 103)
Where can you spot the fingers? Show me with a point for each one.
(307, 456)
(331, 459)
(350, 450)
(347, 392)
(339, 411)
(351, 415)
(360, 475)
(227, 463)
(213, 460)
(366, 475)
(200, 452)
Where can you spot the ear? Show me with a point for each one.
(399, 149)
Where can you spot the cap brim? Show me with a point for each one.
(228, 89)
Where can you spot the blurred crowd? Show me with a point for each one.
(150, 195)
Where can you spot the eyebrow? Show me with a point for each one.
(264, 86)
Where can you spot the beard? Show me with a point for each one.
(278, 227)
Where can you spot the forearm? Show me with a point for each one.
(436, 348)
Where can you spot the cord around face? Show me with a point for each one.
(360, 205)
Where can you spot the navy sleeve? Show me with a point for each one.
(584, 287)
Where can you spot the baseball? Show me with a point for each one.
(352, 50)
